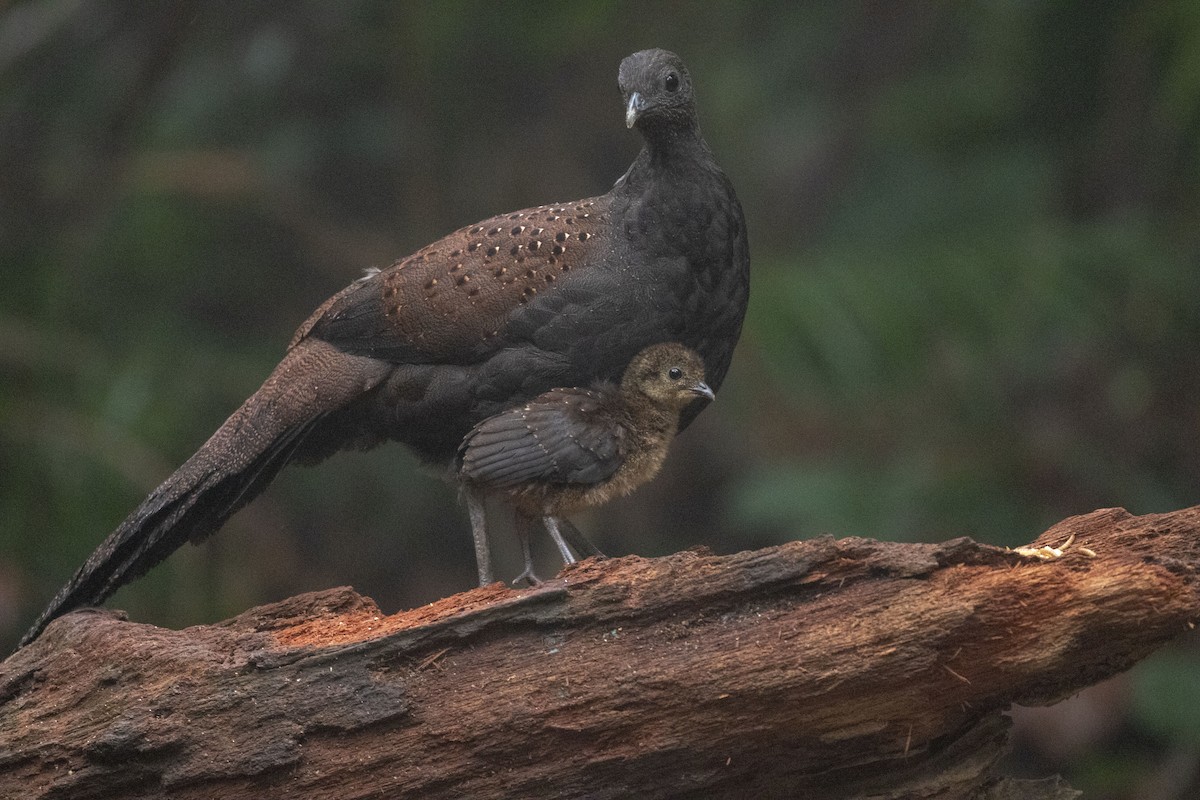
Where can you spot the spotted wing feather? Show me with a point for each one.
(449, 302)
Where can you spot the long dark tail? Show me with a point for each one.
(226, 473)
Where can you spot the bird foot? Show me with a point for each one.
(528, 577)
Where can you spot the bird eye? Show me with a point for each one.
(672, 82)
(674, 373)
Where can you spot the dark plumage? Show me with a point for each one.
(482, 320)
(570, 449)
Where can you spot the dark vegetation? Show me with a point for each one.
(974, 310)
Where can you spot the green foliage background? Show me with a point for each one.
(975, 306)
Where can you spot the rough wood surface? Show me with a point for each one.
(817, 669)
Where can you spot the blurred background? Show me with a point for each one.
(975, 305)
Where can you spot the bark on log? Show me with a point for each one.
(817, 669)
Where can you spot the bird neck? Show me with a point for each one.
(675, 142)
(679, 151)
(650, 420)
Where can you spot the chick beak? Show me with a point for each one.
(701, 390)
(637, 104)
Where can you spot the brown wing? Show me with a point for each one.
(446, 302)
(564, 436)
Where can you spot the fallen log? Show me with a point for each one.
(820, 669)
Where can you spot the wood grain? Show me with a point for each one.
(819, 669)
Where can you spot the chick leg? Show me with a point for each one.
(551, 524)
(524, 525)
(483, 556)
(579, 543)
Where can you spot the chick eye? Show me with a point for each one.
(674, 373)
(672, 82)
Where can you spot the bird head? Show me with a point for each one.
(670, 375)
(657, 91)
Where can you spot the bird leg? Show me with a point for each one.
(478, 514)
(579, 543)
(551, 525)
(523, 525)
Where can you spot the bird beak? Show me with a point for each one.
(637, 104)
(701, 389)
